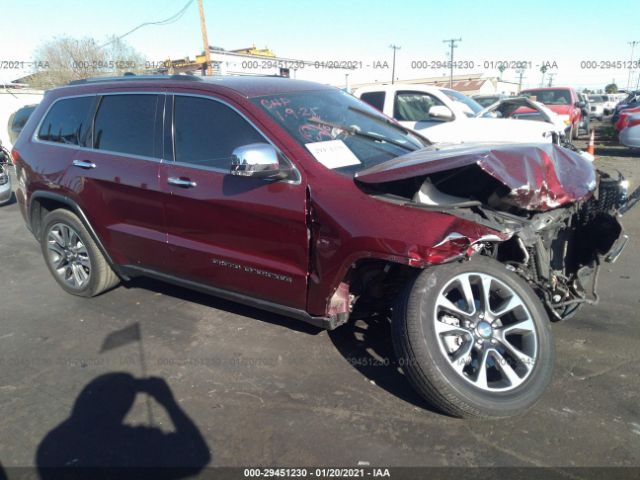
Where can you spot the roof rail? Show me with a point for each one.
(128, 77)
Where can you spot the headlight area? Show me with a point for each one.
(566, 119)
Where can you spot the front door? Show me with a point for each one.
(241, 234)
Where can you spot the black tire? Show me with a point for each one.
(416, 345)
(101, 276)
(569, 134)
(575, 131)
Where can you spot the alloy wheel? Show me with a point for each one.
(68, 256)
(485, 332)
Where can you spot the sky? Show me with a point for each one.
(566, 32)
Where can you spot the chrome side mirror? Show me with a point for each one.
(258, 160)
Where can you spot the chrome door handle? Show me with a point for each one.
(84, 164)
(181, 182)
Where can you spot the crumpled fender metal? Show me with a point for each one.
(540, 176)
(414, 237)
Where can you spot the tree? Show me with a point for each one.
(63, 59)
(611, 88)
(501, 69)
(543, 70)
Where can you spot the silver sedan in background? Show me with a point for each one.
(5, 185)
(630, 135)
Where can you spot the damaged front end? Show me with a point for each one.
(557, 217)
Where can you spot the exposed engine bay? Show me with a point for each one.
(560, 216)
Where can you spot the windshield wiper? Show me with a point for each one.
(386, 121)
(353, 130)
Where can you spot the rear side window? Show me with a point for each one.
(67, 121)
(126, 124)
(207, 132)
(375, 99)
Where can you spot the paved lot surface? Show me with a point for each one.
(253, 388)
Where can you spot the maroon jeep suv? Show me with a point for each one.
(298, 198)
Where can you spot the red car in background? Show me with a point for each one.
(561, 100)
(623, 119)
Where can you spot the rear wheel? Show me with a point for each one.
(474, 339)
(73, 258)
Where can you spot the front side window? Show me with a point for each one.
(414, 106)
(67, 121)
(127, 124)
(207, 132)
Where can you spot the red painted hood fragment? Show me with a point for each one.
(540, 177)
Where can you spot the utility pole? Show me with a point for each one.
(452, 45)
(633, 46)
(393, 68)
(520, 73)
(551, 75)
(205, 39)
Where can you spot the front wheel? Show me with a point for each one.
(474, 339)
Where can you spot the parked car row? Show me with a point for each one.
(626, 120)
(444, 115)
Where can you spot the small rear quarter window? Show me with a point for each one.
(375, 99)
(67, 121)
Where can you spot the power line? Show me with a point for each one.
(167, 21)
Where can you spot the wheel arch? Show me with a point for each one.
(42, 203)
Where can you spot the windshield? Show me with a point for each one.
(550, 97)
(596, 98)
(486, 101)
(469, 106)
(342, 132)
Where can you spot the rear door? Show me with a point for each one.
(241, 234)
(117, 178)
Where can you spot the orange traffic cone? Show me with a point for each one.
(592, 140)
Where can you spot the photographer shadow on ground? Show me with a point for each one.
(95, 434)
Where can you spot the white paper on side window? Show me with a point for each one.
(333, 153)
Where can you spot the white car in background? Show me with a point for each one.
(598, 105)
(448, 116)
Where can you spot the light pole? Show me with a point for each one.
(633, 46)
(520, 73)
(346, 82)
(452, 45)
(393, 68)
